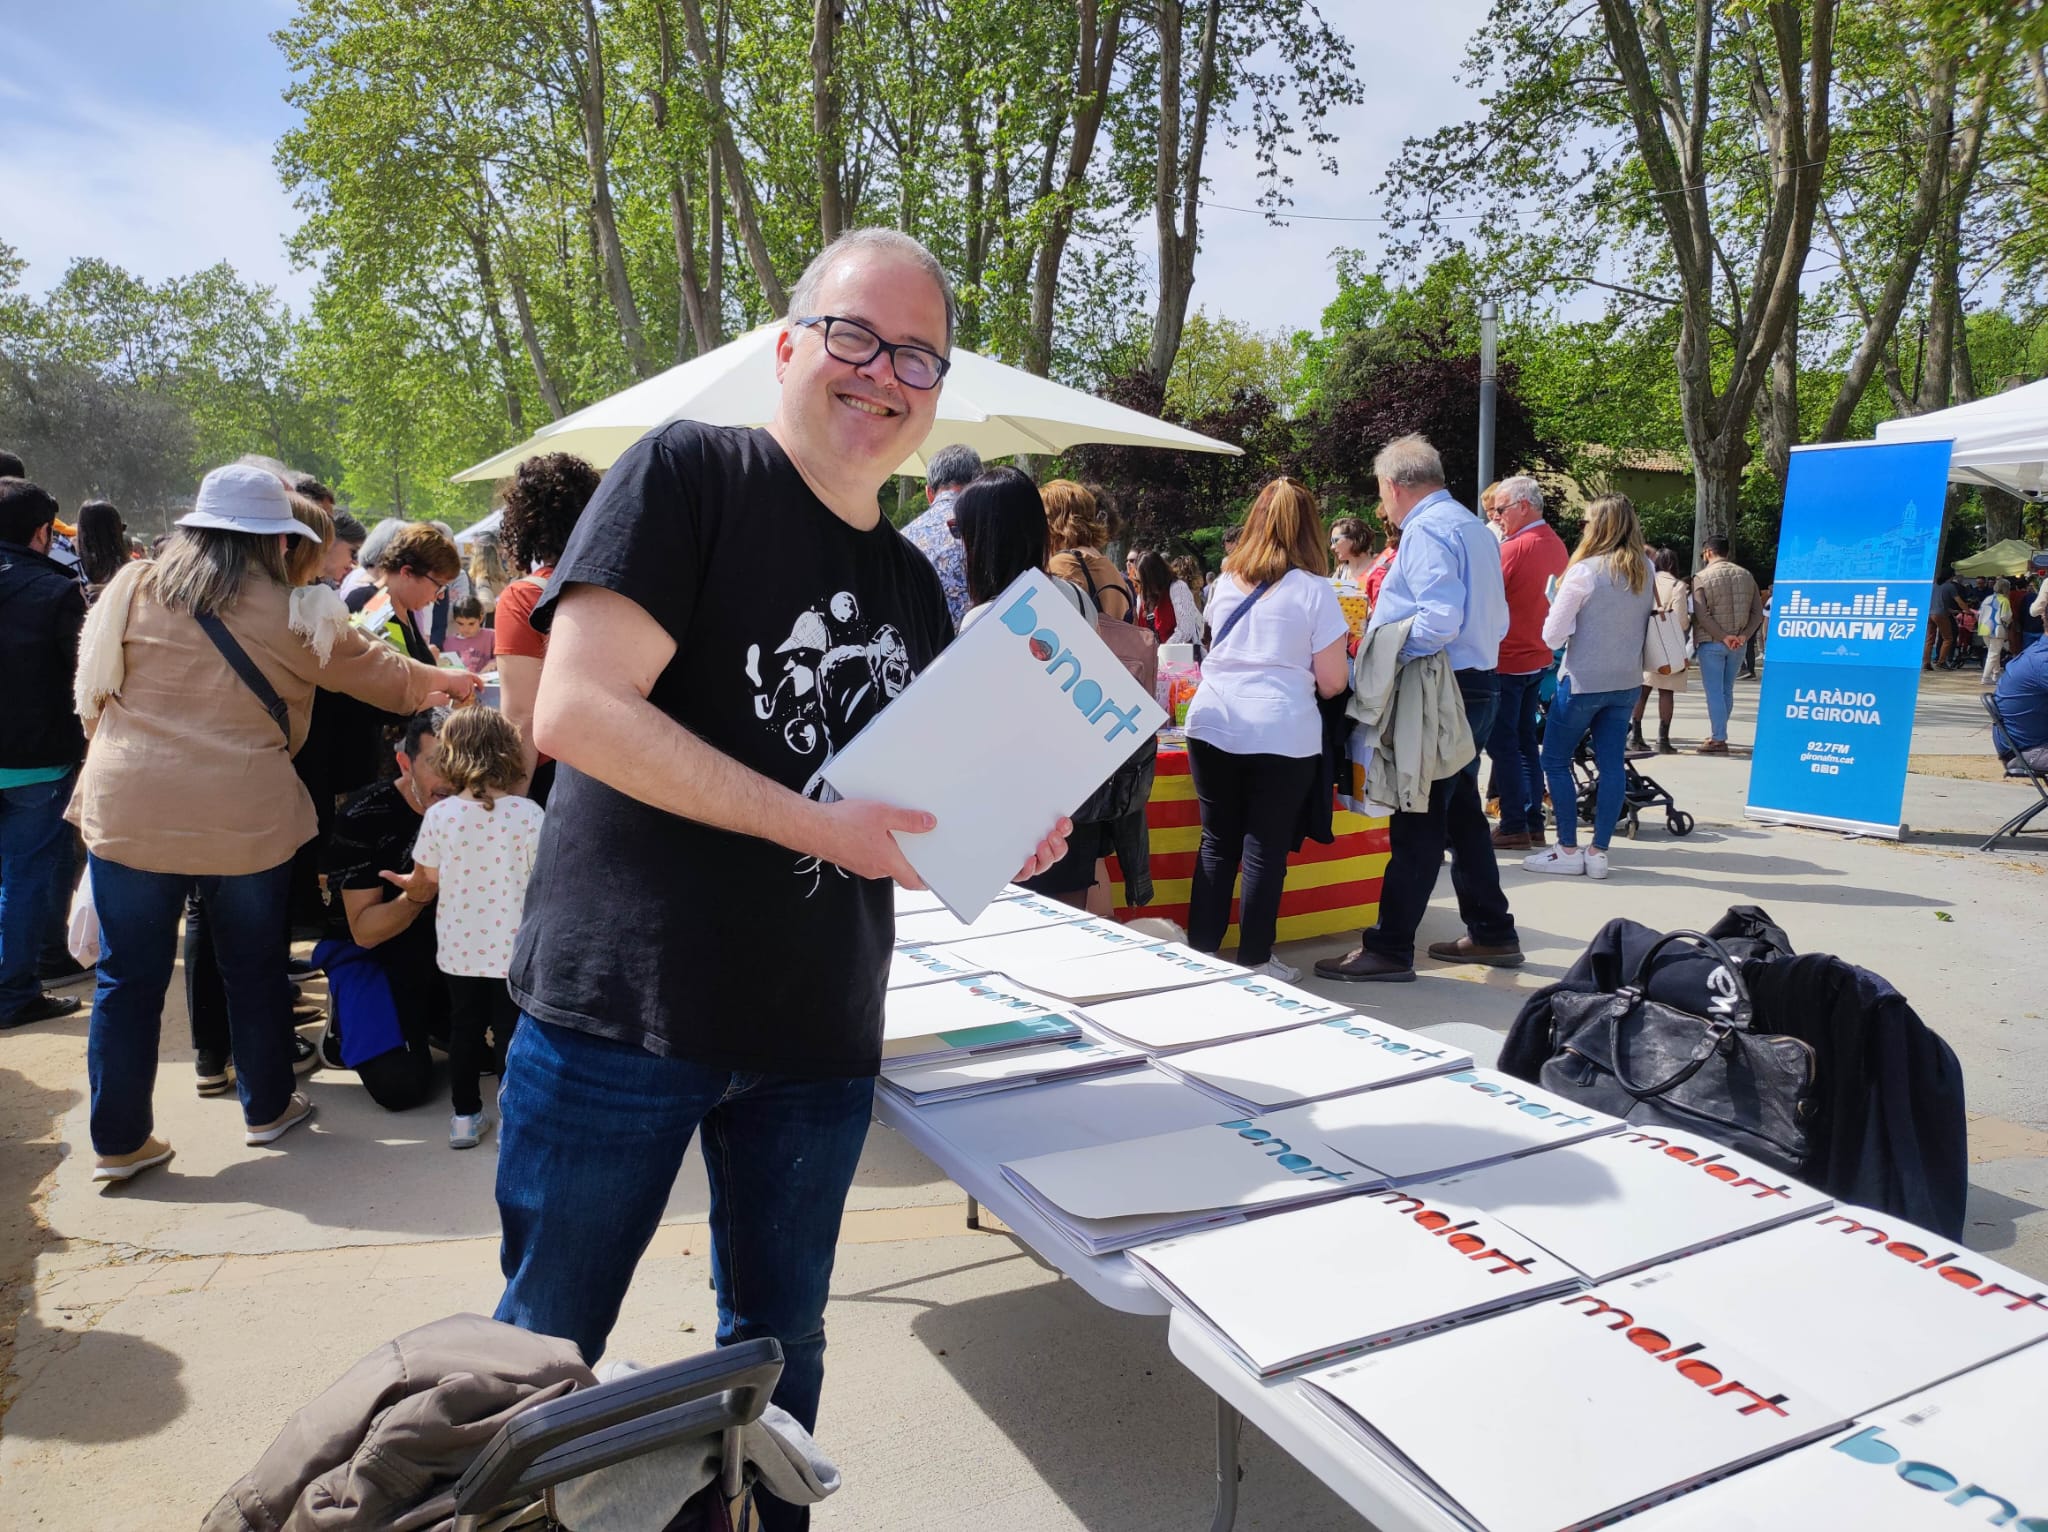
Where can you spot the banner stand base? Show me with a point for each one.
(1822, 822)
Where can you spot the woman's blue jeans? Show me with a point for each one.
(1604, 715)
(139, 913)
(593, 1135)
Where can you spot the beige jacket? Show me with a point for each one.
(1411, 726)
(385, 1445)
(186, 772)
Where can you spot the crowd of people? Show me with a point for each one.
(272, 726)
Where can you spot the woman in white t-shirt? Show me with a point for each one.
(1255, 737)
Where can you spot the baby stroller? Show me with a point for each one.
(1638, 793)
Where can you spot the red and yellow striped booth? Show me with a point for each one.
(1329, 888)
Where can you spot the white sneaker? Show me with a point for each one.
(467, 1132)
(1273, 968)
(1565, 861)
(296, 1111)
(1596, 862)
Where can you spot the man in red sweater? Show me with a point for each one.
(1532, 558)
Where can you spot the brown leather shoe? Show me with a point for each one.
(1466, 950)
(1364, 966)
(1713, 747)
(1537, 838)
(1511, 840)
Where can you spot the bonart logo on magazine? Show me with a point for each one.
(1088, 694)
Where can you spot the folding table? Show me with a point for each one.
(970, 1139)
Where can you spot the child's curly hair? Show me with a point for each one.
(478, 751)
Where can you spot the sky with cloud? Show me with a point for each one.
(141, 131)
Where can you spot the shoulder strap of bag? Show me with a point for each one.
(1237, 613)
(1095, 591)
(240, 663)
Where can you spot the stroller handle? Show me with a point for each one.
(593, 1428)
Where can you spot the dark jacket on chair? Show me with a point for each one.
(1892, 1133)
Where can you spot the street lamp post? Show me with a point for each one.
(1489, 389)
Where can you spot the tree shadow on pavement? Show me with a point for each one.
(92, 1386)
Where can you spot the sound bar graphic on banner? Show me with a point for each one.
(1848, 627)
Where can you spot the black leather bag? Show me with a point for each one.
(1657, 1066)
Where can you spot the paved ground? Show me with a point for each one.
(161, 1333)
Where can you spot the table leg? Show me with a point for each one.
(1228, 1472)
(973, 1214)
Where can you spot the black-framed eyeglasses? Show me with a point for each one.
(850, 341)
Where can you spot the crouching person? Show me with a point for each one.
(387, 999)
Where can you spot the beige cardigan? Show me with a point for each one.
(186, 772)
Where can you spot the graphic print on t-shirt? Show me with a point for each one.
(822, 684)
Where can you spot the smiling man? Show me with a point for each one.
(706, 939)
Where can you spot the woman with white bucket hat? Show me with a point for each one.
(197, 688)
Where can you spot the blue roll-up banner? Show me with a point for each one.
(1848, 628)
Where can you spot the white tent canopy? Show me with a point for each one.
(2001, 441)
(997, 410)
(488, 527)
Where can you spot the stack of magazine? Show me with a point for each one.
(957, 1017)
(1308, 1063)
(1615, 1204)
(1243, 1005)
(1021, 951)
(981, 1074)
(1441, 1124)
(1115, 1195)
(1129, 970)
(1319, 1282)
(1020, 912)
(1656, 1384)
(1965, 1453)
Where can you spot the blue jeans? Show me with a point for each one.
(1604, 715)
(35, 846)
(593, 1135)
(1516, 748)
(1718, 664)
(139, 914)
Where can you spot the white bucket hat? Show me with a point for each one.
(244, 498)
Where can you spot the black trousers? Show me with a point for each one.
(1251, 805)
(481, 1016)
(1457, 819)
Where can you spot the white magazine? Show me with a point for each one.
(1574, 1411)
(1615, 1204)
(959, 1016)
(1429, 1128)
(1115, 1195)
(1964, 1454)
(1014, 725)
(1046, 945)
(1243, 1005)
(1026, 912)
(1315, 1283)
(983, 1074)
(912, 966)
(1129, 971)
(1308, 1063)
(1866, 1305)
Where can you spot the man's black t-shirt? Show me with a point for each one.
(373, 833)
(792, 630)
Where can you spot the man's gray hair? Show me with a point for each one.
(803, 298)
(1519, 488)
(371, 554)
(953, 467)
(1411, 462)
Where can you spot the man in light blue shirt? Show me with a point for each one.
(1448, 579)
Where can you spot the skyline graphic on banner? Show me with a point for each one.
(1864, 516)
